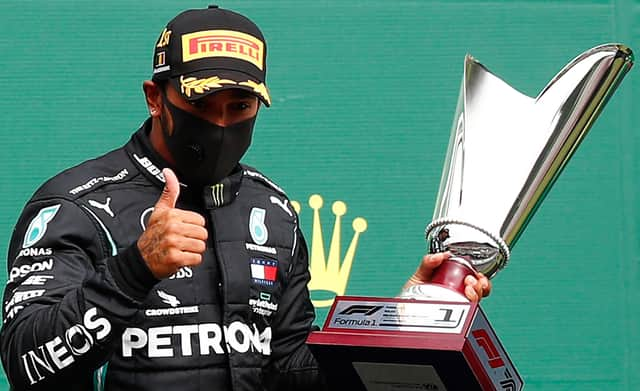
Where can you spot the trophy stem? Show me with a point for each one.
(447, 283)
(451, 274)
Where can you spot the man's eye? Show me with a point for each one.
(241, 106)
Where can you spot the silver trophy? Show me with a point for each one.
(505, 152)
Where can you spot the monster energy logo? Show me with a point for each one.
(217, 192)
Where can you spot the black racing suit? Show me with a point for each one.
(82, 310)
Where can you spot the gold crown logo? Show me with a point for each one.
(329, 276)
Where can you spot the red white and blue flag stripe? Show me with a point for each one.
(264, 271)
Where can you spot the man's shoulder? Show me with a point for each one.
(257, 176)
(90, 175)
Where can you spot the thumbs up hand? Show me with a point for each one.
(174, 238)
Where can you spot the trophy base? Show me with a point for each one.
(383, 344)
(432, 292)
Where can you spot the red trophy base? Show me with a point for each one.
(384, 344)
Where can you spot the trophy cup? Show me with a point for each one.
(505, 152)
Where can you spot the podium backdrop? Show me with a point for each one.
(363, 98)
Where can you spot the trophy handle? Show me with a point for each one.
(447, 282)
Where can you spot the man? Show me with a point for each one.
(166, 264)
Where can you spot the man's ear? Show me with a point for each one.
(153, 97)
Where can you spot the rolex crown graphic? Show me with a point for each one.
(330, 274)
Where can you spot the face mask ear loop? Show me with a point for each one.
(164, 111)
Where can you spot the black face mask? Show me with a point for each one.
(204, 153)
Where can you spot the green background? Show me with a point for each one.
(364, 94)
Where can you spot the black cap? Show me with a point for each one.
(207, 50)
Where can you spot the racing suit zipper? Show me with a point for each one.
(221, 291)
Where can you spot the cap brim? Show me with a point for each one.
(196, 85)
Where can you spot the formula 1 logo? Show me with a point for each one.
(38, 226)
(493, 360)
(358, 309)
(493, 356)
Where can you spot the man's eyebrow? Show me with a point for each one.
(241, 94)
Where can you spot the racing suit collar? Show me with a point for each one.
(148, 161)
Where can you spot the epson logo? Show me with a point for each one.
(211, 338)
(59, 352)
(21, 271)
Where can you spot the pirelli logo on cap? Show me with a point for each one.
(223, 43)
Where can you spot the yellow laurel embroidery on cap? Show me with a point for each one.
(202, 85)
(164, 38)
(259, 88)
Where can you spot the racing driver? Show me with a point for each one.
(166, 264)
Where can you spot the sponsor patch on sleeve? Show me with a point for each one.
(38, 226)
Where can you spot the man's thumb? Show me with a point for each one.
(171, 190)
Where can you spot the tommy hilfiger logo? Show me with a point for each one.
(264, 271)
